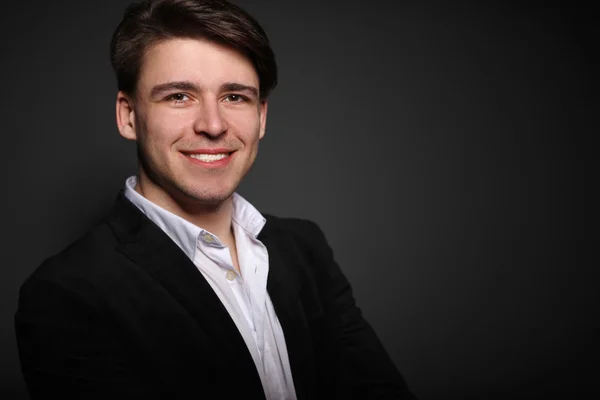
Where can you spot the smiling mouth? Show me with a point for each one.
(209, 157)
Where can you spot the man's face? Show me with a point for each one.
(197, 120)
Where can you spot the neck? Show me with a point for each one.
(215, 218)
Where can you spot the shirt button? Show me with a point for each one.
(207, 238)
(231, 275)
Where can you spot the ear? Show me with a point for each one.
(262, 114)
(125, 116)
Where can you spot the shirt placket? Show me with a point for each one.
(221, 256)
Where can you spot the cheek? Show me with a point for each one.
(246, 125)
(164, 130)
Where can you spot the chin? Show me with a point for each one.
(208, 197)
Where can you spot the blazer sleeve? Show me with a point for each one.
(365, 366)
(68, 348)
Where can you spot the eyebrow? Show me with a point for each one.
(238, 87)
(177, 85)
(192, 87)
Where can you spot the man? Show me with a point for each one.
(185, 289)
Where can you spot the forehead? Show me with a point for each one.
(206, 63)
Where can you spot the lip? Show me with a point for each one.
(213, 164)
(208, 151)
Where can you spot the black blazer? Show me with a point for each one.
(123, 313)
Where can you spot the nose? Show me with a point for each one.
(209, 120)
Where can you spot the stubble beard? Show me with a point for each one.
(185, 196)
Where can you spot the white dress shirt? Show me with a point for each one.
(244, 295)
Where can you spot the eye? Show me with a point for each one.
(178, 98)
(235, 98)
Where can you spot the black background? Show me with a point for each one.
(443, 149)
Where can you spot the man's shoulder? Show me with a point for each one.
(97, 247)
(303, 232)
(81, 256)
(296, 226)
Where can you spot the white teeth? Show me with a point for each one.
(209, 157)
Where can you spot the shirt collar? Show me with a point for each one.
(184, 233)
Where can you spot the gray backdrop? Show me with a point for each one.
(440, 147)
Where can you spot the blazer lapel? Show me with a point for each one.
(151, 249)
(283, 290)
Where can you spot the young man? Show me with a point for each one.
(185, 289)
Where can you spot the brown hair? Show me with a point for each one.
(151, 21)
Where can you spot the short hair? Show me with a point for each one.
(152, 21)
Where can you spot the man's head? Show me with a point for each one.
(193, 79)
(152, 21)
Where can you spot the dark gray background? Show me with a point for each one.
(442, 149)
